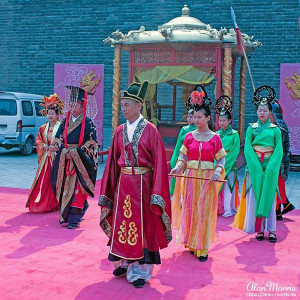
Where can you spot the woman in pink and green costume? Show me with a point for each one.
(183, 132)
(263, 153)
(228, 200)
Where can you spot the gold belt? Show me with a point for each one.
(262, 152)
(137, 170)
(194, 164)
(72, 146)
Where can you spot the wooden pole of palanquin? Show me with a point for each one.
(227, 71)
(242, 90)
(227, 78)
(116, 87)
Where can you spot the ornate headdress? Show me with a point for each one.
(277, 108)
(52, 102)
(277, 112)
(258, 99)
(74, 94)
(198, 98)
(223, 105)
(136, 92)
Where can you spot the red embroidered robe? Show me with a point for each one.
(135, 208)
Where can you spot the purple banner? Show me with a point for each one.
(93, 78)
(290, 101)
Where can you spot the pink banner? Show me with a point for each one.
(290, 100)
(72, 74)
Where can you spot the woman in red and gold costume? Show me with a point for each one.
(41, 197)
(195, 202)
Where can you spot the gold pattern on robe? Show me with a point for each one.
(132, 235)
(122, 233)
(127, 207)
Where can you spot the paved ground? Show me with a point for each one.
(18, 171)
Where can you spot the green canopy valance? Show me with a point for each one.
(159, 74)
(186, 74)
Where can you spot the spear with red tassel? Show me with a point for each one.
(241, 45)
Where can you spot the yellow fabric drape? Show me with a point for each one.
(150, 95)
(186, 74)
(160, 74)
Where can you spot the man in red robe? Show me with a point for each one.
(134, 195)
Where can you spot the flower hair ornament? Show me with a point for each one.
(223, 105)
(259, 99)
(198, 98)
(52, 102)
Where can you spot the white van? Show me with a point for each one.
(20, 120)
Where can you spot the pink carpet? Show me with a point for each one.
(41, 260)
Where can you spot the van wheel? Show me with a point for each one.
(28, 147)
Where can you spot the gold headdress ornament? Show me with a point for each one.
(223, 105)
(258, 99)
(52, 102)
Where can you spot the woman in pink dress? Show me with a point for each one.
(195, 202)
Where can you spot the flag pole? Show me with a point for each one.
(238, 32)
(248, 66)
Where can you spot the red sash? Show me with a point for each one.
(78, 198)
(127, 235)
(281, 188)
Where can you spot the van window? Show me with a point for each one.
(8, 107)
(38, 107)
(27, 108)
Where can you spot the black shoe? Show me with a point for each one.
(203, 258)
(85, 207)
(289, 207)
(192, 252)
(272, 237)
(279, 217)
(121, 271)
(72, 225)
(139, 283)
(260, 236)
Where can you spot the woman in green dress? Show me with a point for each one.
(228, 199)
(263, 153)
(183, 132)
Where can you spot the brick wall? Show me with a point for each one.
(38, 33)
